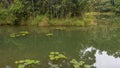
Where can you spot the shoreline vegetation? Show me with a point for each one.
(55, 13)
(88, 20)
(45, 21)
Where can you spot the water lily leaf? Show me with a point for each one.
(73, 61)
(27, 60)
(76, 66)
(52, 53)
(28, 63)
(57, 57)
(16, 62)
(17, 35)
(61, 56)
(12, 35)
(81, 62)
(24, 32)
(32, 61)
(21, 61)
(49, 34)
(87, 66)
(52, 58)
(21, 66)
(37, 62)
(57, 53)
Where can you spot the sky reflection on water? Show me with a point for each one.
(102, 59)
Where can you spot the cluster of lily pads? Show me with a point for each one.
(56, 56)
(24, 63)
(53, 57)
(80, 64)
(21, 33)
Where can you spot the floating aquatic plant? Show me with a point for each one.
(12, 35)
(60, 28)
(18, 35)
(56, 56)
(23, 63)
(80, 64)
(49, 34)
(22, 33)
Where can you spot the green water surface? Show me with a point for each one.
(97, 46)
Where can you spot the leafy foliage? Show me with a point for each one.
(22, 33)
(80, 64)
(23, 63)
(49, 34)
(56, 56)
(21, 10)
(117, 7)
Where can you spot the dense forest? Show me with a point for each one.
(33, 12)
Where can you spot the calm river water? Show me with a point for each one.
(97, 46)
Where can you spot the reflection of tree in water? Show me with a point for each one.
(102, 39)
(88, 55)
(117, 54)
(107, 39)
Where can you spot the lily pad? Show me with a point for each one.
(21, 66)
(56, 56)
(52, 53)
(73, 61)
(57, 53)
(52, 58)
(12, 35)
(87, 66)
(49, 34)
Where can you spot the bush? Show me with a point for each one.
(117, 7)
(8, 15)
(22, 10)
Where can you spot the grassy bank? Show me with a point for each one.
(89, 18)
(45, 21)
(74, 21)
(110, 19)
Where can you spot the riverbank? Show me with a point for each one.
(87, 20)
